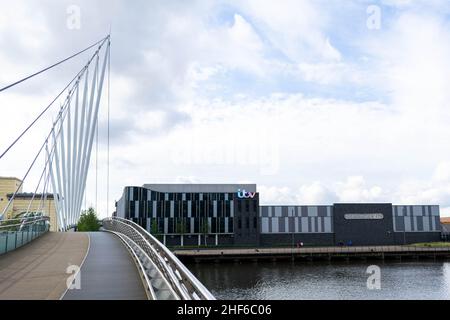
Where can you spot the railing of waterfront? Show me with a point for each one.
(15, 233)
(311, 250)
(185, 285)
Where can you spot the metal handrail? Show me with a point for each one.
(21, 224)
(186, 285)
(148, 284)
(15, 235)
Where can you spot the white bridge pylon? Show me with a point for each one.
(69, 148)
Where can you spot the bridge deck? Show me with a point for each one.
(108, 272)
(38, 269)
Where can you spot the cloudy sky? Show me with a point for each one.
(315, 101)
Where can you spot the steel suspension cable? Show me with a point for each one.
(53, 65)
(80, 73)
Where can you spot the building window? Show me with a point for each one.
(239, 223)
(255, 222)
(247, 223)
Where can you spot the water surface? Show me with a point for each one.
(324, 280)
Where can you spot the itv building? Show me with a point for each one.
(230, 215)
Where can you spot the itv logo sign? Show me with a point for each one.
(245, 195)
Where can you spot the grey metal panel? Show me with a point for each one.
(322, 211)
(327, 222)
(394, 226)
(291, 224)
(215, 209)
(312, 211)
(193, 225)
(281, 224)
(226, 224)
(136, 209)
(407, 224)
(198, 188)
(419, 223)
(304, 211)
(264, 225)
(189, 207)
(413, 222)
(232, 208)
(310, 225)
(435, 210)
(305, 224)
(437, 224)
(296, 224)
(263, 211)
(426, 223)
(108, 272)
(278, 211)
(154, 209)
(275, 228)
(399, 224)
(172, 207)
(417, 211)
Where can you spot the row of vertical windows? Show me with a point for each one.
(186, 209)
(185, 226)
(142, 194)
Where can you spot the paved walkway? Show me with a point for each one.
(108, 272)
(38, 269)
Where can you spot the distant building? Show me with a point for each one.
(230, 214)
(21, 202)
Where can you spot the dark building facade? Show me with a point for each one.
(230, 215)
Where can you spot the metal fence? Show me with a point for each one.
(183, 283)
(15, 233)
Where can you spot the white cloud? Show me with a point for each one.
(299, 145)
(354, 189)
(315, 194)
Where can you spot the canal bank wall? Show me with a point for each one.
(315, 253)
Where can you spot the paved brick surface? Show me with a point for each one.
(38, 270)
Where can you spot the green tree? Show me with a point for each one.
(154, 229)
(88, 221)
(204, 229)
(181, 229)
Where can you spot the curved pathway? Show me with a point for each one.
(108, 272)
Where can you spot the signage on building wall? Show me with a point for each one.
(363, 216)
(245, 195)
